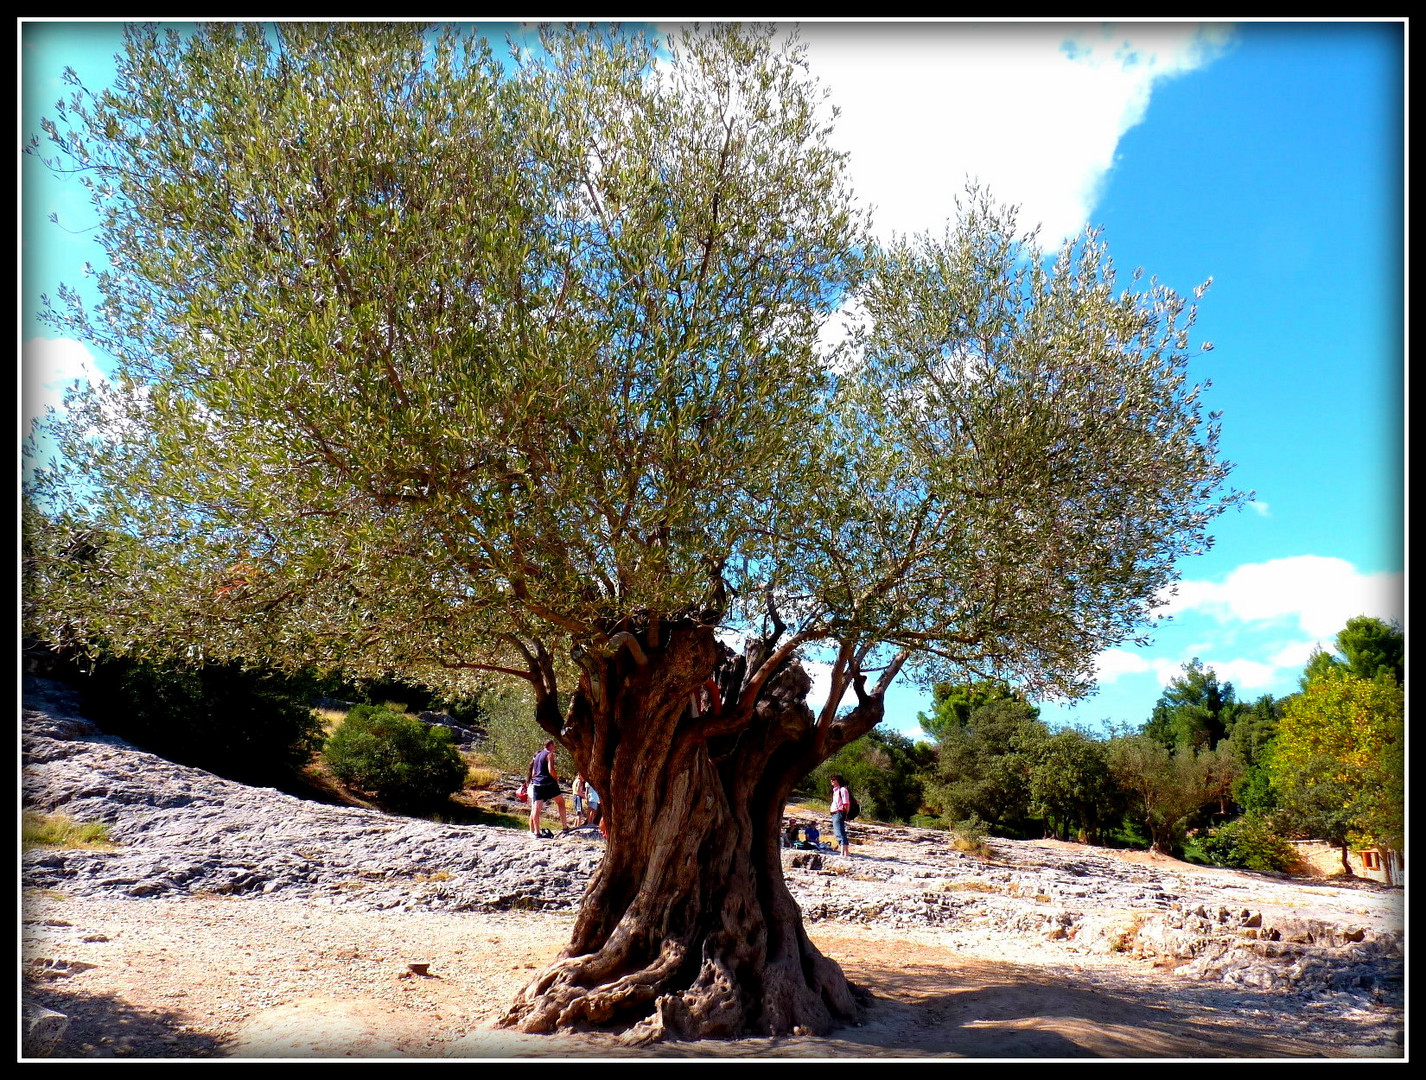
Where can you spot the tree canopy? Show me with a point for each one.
(475, 346)
(1374, 649)
(419, 352)
(1338, 763)
(953, 703)
(986, 768)
(1072, 786)
(1370, 649)
(1195, 709)
(434, 364)
(1167, 788)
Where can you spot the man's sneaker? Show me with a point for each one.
(545, 834)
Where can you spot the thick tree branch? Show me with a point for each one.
(470, 665)
(754, 681)
(522, 593)
(623, 638)
(844, 670)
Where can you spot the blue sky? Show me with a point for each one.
(1268, 156)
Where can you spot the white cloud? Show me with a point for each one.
(821, 684)
(1184, 596)
(1284, 665)
(1244, 674)
(1167, 670)
(1261, 507)
(1114, 663)
(1034, 111)
(1293, 656)
(48, 367)
(1320, 592)
(1313, 594)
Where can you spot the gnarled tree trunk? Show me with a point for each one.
(687, 929)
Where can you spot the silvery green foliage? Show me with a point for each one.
(436, 363)
(1029, 457)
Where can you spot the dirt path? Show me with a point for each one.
(257, 977)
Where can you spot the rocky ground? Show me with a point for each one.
(238, 921)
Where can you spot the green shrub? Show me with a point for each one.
(1250, 843)
(969, 836)
(397, 758)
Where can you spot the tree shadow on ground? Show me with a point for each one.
(1023, 1012)
(103, 1025)
(463, 813)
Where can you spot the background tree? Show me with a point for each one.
(1166, 789)
(1249, 739)
(1072, 787)
(508, 715)
(985, 769)
(1370, 649)
(953, 703)
(1195, 710)
(1221, 773)
(251, 725)
(1320, 665)
(461, 370)
(1338, 764)
(1374, 649)
(885, 771)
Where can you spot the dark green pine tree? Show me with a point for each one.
(1195, 709)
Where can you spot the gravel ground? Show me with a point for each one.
(256, 976)
(234, 921)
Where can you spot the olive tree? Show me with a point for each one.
(462, 369)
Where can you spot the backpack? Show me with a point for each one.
(853, 808)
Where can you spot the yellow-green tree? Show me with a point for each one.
(1338, 764)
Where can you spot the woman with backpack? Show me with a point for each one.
(841, 804)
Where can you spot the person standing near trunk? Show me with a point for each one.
(593, 808)
(841, 801)
(577, 790)
(544, 785)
